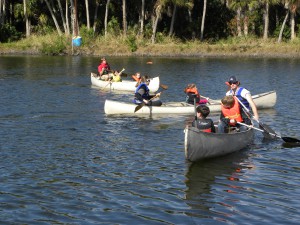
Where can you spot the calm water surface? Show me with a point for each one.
(63, 161)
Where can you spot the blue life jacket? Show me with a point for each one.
(144, 96)
(243, 100)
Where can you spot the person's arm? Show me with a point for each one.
(213, 129)
(138, 95)
(253, 106)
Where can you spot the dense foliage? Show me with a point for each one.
(204, 20)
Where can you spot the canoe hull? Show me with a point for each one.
(263, 101)
(125, 85)
(201, 145)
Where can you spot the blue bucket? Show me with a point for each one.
(77, 41)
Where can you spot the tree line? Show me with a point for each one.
(183, 19)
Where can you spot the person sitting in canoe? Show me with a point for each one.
(202, 122)
(137, 76)
(192, 93)
(104, 70)
(116, 76)
(231, 113)
(142, 94)
(242, 94)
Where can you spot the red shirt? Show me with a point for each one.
(103, 65)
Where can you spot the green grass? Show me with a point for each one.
(53, 44)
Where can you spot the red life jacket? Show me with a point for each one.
(233, 113)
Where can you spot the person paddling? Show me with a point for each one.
(242, 94)
(231, 114)
(142, 94)
(137, 76)
(104, 70)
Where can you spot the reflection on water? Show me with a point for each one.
(215, 176)
(63, 161)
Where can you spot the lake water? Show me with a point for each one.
(63, 161)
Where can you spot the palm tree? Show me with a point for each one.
(105, 19)
(87, 14)
(124, 17)
(27, 22)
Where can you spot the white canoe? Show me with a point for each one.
(263, 101)
(125, 85)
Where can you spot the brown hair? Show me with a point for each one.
(228, 101)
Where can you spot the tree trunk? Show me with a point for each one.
(54, 18)
(142, 17)
(266, 21)
(95, 16)
(173, 20)
(293, 35)
(62, 17)
(282, 27)
(27, 22)
(203, 19)
(105, 18)
(124, 18)
(246, 25)
(87, 14)
(156, 18)
(238, 22)
(67, 18)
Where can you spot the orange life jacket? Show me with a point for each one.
(192, 90)
(136, 78)
(233, 113)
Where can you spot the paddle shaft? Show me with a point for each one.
(261, 130)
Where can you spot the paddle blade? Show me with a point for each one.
(124, 74)
(268, 132)
(291, 140)
(139, 107)
(163, 86)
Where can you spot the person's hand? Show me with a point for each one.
(158, 94)
(146, 101)
(232, 121)
(255, 118)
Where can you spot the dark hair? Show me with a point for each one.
(204, 110)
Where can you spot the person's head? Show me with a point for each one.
(138, 75)
(189, 87)
(144, 79)
(203, 110)
(228, 101)
(233, 82)
(103, 60)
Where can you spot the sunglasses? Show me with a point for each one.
(230, 82)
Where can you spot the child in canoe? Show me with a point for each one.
(202, 122)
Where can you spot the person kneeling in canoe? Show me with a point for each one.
(202, 122)
(192, 93)
(231, 113)
(142, 95)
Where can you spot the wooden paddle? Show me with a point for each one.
(286, 139)
(268, 132)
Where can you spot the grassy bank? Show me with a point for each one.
(132, 46)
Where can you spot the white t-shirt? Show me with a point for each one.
(243, 93)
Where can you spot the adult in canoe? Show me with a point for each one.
(242, 94)
(142, 94)
(104, 70)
